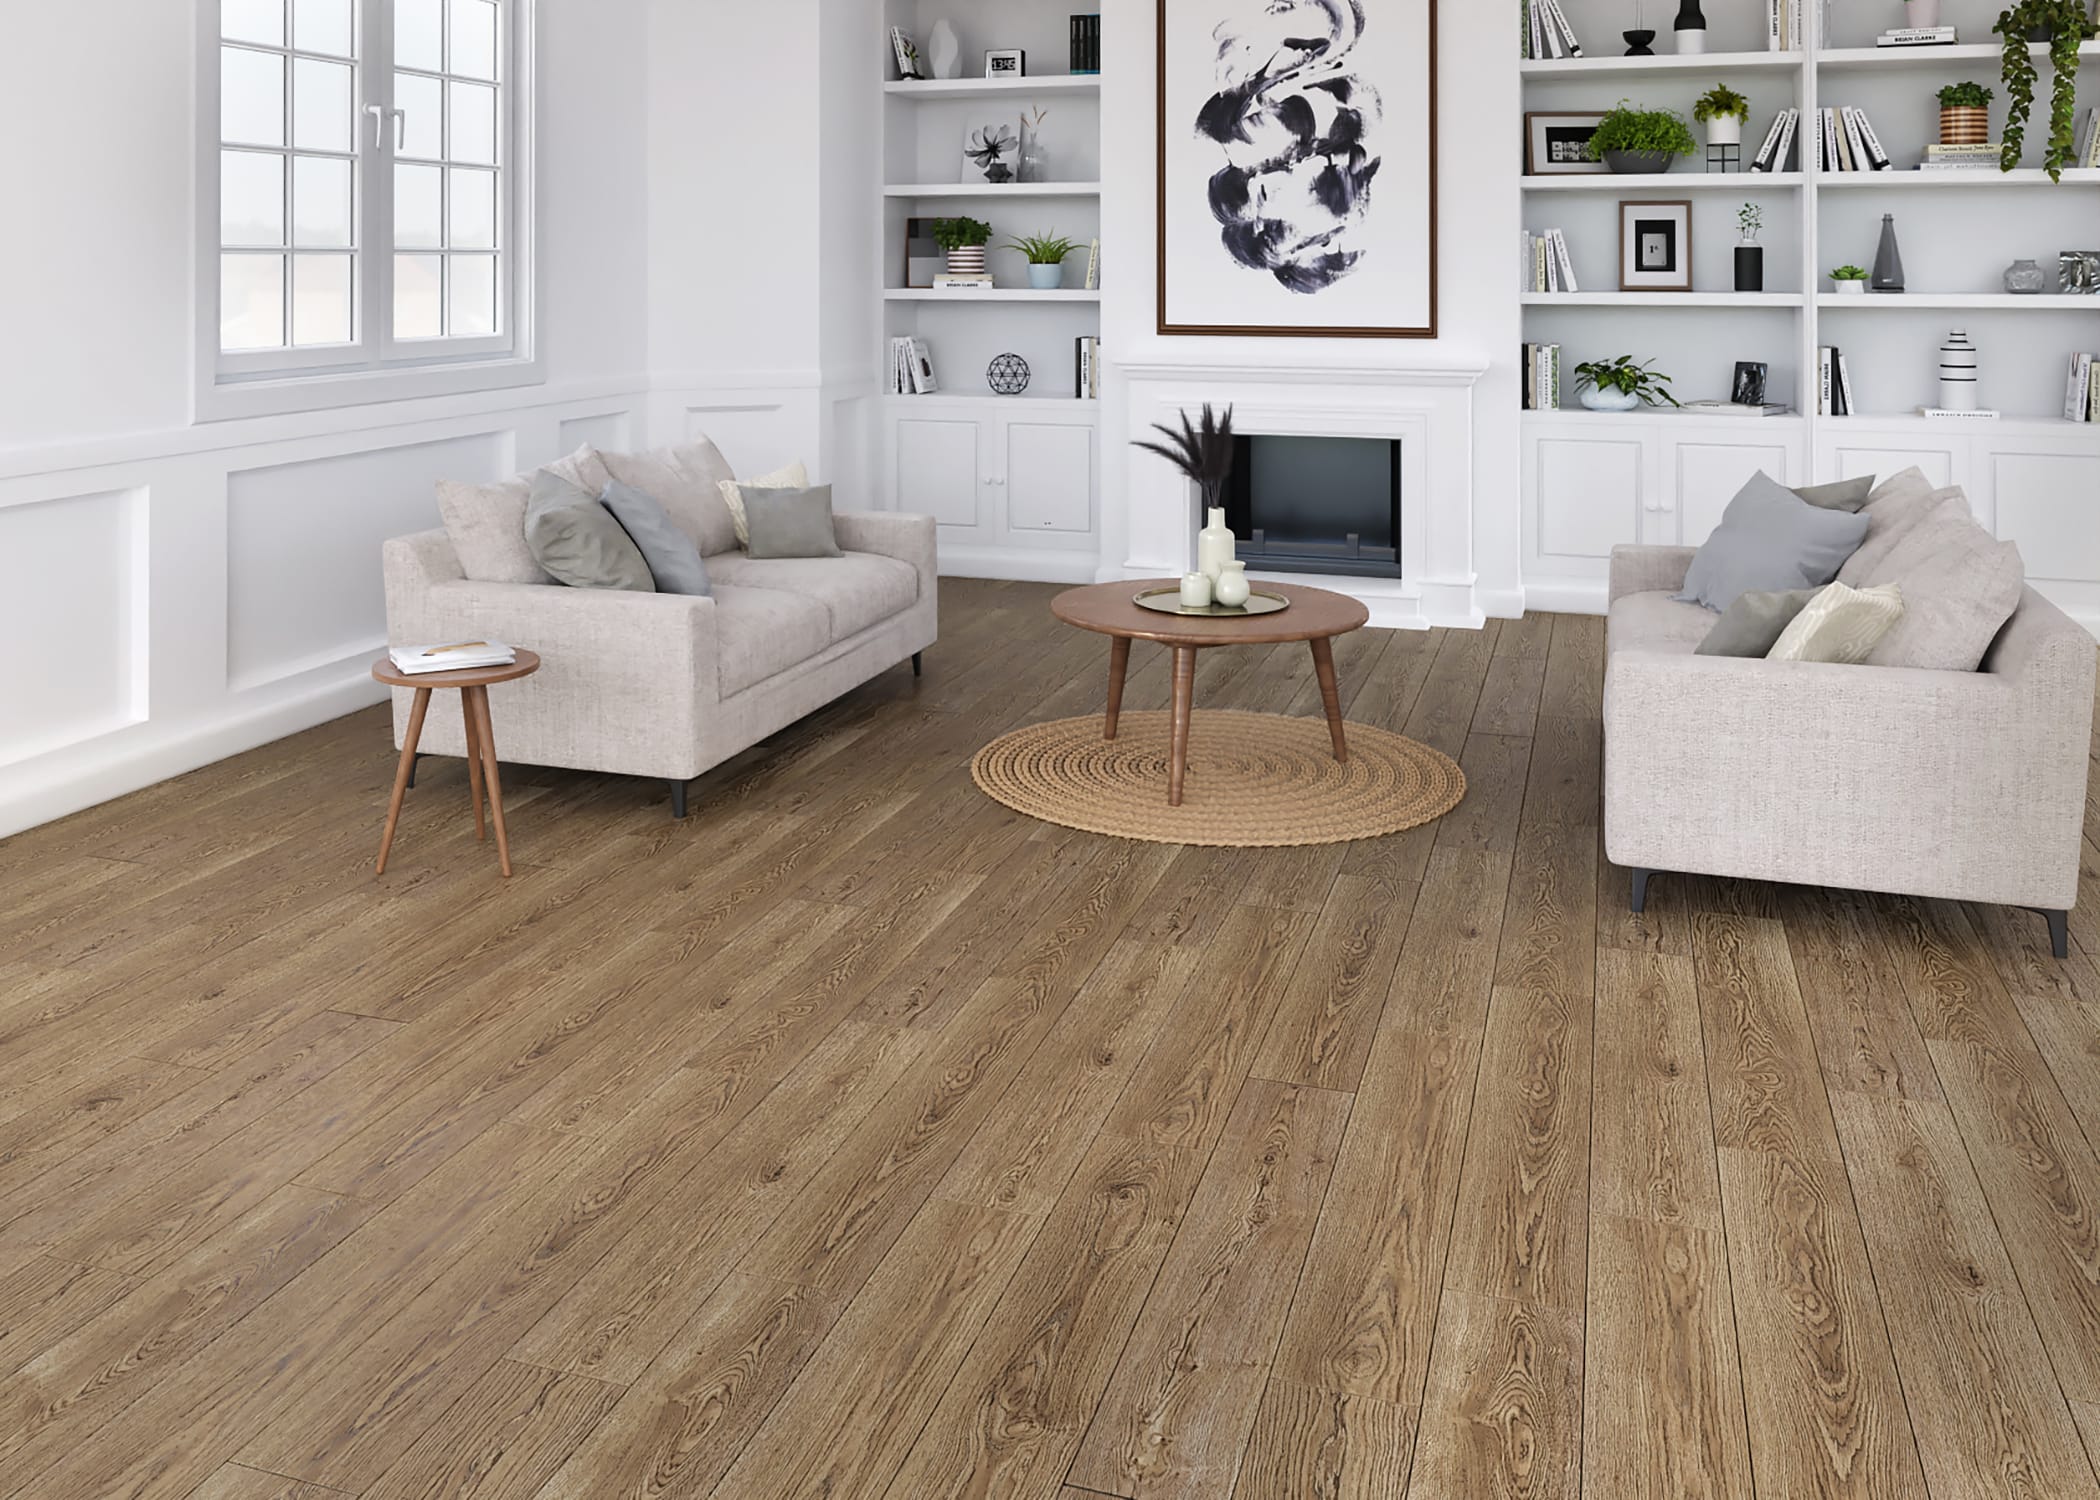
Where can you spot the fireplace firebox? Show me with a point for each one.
(1317, 505)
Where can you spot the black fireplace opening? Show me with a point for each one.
(1316, 505)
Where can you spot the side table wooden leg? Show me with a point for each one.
(1330, 695)
(467, 717)
(1184, 708)
(420, 707)
(492, 774)
(1118, 669)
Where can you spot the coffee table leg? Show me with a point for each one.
(466, 714)
(1118, 668)
(408, 765)
(1330, 695)
(494, 777)
(1184, 708)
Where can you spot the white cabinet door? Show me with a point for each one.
(1048, 477)
(1707, 469)
(2039, 492)
(1588, 493)
(1845, 452)
(938, 469)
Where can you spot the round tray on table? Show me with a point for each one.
(1168, 602)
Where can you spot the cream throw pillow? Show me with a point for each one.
(1841, 625)
(793, 477)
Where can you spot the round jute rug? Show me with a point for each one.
(1255, 781)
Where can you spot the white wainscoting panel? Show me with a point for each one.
(76, 659)
(2050, 505)
(1706, 475)
(939, 470)
(608, 432)
(1591, 493)
(303, 585)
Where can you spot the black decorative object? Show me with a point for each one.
(1204, 452)
(1690, 27)
(1751, 381)
(1724, 158)
(1639, 43)
(1749, 268)
(1008, 375)
(1888, 260)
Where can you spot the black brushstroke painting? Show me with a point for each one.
(1295, 128)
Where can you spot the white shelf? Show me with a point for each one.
(1578, 416)
(994, 88)
(981, 400)
(1955, 302)
(1872, 59)
(992, 190)
(1664, 299)
(1971, 178)
(1912, 422)
(1633, 67)
(996, 294)
(1693, 182)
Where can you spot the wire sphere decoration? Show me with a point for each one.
(1008, 375)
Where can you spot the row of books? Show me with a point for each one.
(1086, 368)
(1547, 32)
(1918, 36)
(1777, 152)
(1833, 383)
(1547, 265)
(2082, 390)
(1985, 156)
(1785, 25)
(453, 656)
(1848, 143)
(1542, 377)
(911, 368)
(1086, 44)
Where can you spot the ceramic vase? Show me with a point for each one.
(1749, 267)
(1691, 29)
(1215, 545)
(1232, 589)
(966, 260)
(1923, 14)
(1964, 125)
(2024, 278)
(1848, 288)
(1596, 398)
(1046, 278)
(944, 50)
(1195, 591)
(1724, 130)
(1958, 373)
(1888, 260)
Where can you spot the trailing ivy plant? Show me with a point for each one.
(1627, 378)
(1718, 102)
(2064, 23)
(1642, 130)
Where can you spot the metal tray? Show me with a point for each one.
(1167, 601)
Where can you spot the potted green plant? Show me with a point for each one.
(964, 240)
(1723, 112)
(1750, 255)
(1641, 140)
(1621, 385)
(1850, 280)
(2063, 24)
(1045, 254)
(1965, 114)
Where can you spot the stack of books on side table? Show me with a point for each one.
(456, 656)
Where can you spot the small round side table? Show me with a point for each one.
(481, 741)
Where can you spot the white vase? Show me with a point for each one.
(1958, 373)
(1849, 288)
(1215, 546)
(1233, 589)
(1596, 398)
(1195, 591)
(944, 50)
(1725, 130)
(1921, 13)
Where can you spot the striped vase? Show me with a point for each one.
(1964, 125)
(1958, 373)
(966, 260)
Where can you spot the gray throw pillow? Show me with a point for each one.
(790, 523)
(1753, 624)
(1960, 585)
(1899, 503)
(1846, 494)
(577, 541)
(1770, 540)
(674, 562)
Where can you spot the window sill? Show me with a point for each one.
(216, 401)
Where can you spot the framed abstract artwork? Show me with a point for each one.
(1655, 246)
(1558, 144)
(1298, 168)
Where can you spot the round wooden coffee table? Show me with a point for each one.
(1316, 616)
(481, 740)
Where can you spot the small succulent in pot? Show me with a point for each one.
(964, 239)
(1641, 140)
(1850, 279)
(1723, 112)
(1045, 254)
(1620, 384)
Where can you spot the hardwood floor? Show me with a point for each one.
(859, 1138)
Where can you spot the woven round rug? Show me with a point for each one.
(1255, 781)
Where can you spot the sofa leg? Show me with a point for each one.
(678, 791)
(2059, 932)
(918, 665)
(1639, 898)
(414, 761)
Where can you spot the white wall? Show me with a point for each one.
(178, 593)
(1479, 219)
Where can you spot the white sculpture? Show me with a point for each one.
(945, 50)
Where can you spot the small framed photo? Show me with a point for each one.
(1655, 247)
(2078, 273)
(1557, 145)
(1006, 62)
(1751, 379)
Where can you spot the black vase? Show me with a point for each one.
(1690, 17)
(1749, 268)
(1640, 43)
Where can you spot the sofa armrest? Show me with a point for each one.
(912, 539)
(1649, 570)
(654, 637)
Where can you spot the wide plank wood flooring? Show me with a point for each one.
(858, 1138)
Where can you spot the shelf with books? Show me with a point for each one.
(1965, 54)
(994, 88)
(930, 190)
(1966, 177)
(1674, 300)
(1002, 294)
(1956, 302)
(1645, 67)
(975, 402)
(1652, 182)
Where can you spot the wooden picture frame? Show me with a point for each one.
(1655, 245)
(1544, 152)
(1273, 277)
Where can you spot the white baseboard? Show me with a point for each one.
(57, 785)
(1017, 564)
(1567, 596)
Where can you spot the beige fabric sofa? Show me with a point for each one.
(1963, 785)
(663, 685)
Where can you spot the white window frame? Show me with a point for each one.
(228, 386)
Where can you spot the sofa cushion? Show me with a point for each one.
(1770, 540)
(1897, 504)
(674, 562)
(575, 538)
(1960, 585)
(789, 523)
(856, 591)
(687, 482)
(1656, 622)
(1752, 625)
(1845, 494)
(486, 522)
(794, 477)
(760, 633)
(1841, 625)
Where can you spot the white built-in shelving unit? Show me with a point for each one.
(1593, 481)
(1013, 480)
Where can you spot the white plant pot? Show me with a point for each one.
(1925, 13)
(1849, 288)
(1727, 130)
(966, 260)
(1596, 398)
